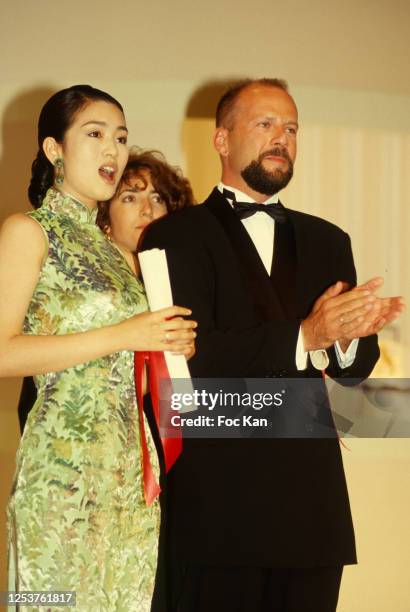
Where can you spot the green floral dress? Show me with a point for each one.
(77, 518)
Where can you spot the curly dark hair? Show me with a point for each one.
(168, 181)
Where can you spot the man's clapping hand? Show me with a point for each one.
(342, 314)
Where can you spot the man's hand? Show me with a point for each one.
(384, 311)
(339, 314)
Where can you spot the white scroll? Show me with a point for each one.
(154, 268)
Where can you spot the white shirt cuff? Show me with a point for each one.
(301, 355)
(346, 359)
(319, 358)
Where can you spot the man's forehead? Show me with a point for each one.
(256, 96)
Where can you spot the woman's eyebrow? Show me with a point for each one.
(103, 124)
(129, 190)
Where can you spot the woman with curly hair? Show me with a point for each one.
(149, 189)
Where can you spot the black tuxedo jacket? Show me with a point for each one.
(255, 502)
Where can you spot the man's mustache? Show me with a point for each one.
(276, 152)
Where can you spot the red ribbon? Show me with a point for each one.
(171, 445)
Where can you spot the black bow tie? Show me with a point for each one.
(247, 209)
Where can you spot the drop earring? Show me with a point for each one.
(59, 166)
(107, 232)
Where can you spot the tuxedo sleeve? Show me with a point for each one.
(230, 341)
(367, 351)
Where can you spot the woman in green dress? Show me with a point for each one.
(149, 189)
(74, 314)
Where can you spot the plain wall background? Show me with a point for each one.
(347, 66)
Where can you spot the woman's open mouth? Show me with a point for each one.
(108, 173)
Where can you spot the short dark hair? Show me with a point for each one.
(168, 181)
(56, 117)
(226, 104)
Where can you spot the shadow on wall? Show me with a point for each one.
(19, 147)
(204, 99)
(201, 160)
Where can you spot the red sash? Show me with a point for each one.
(172, 446)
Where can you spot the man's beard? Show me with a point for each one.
(263, 181)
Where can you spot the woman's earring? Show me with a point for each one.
(59, 165)
(107, 232)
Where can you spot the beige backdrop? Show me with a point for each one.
(347, 65)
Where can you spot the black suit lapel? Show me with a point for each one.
(257, 281)
(304, 266)
(284, 267)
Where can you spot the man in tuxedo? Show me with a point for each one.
(258, 525)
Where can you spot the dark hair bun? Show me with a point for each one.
(42, 177)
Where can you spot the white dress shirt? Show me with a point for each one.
(261, 229)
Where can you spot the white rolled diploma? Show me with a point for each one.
(154, 269)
